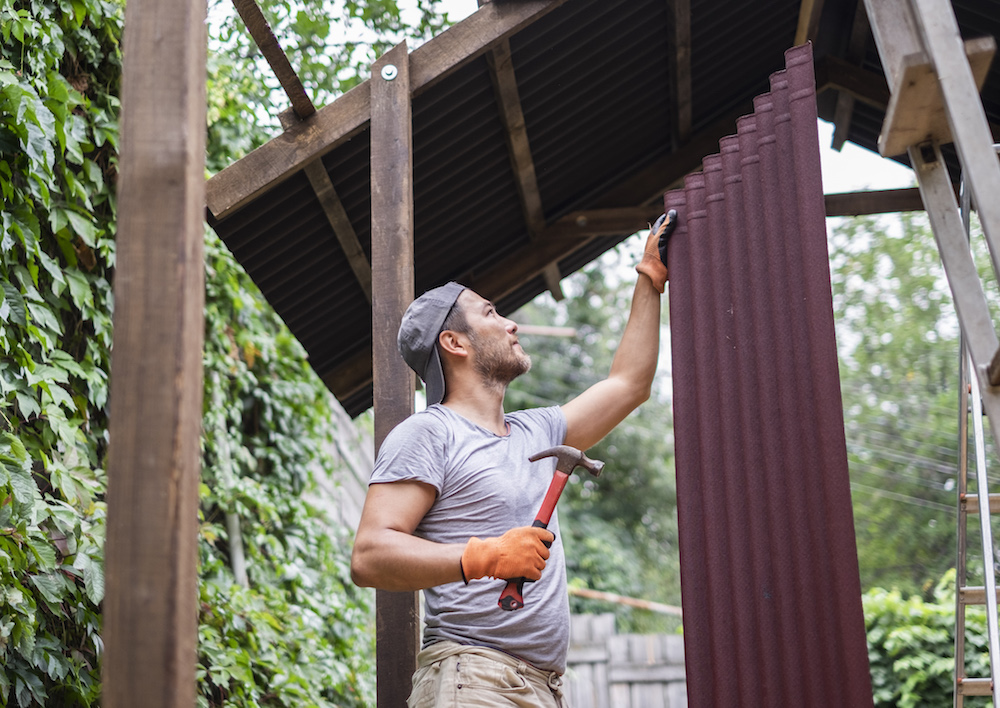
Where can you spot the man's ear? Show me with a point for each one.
(453, 343)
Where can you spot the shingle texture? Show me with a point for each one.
(770, 585)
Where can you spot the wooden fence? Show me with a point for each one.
(608, 670)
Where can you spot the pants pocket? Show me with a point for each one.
(426, 686)
(479, 673)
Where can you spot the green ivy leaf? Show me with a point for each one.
(79, 289)
(93, 579)
(50, 585)
(15, 309)
(83, 227)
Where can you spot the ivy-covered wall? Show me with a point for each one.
(295, 632)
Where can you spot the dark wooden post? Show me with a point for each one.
(150, 607)
(397, 613)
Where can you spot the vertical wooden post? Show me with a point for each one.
(397, 613)
(150, 607)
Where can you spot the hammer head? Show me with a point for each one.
(569, 458)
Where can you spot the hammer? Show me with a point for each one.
(568, 459)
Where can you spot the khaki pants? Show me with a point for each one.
(452, 675)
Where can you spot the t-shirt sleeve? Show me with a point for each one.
(549, 422)
(413, 451)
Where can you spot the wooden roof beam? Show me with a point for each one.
(319, 178)
(680, 69)
(336, 215)
(330, 126)
(810, 12)
(855, 55)
(261, 32)
(584, 225)
(865, 86)
(519, 149)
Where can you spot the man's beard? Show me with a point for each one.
(497, 362)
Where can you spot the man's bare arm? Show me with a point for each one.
(386, 553)
(595, 412)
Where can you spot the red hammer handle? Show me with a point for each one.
(512, 598)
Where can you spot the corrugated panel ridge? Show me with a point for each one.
(769, 573)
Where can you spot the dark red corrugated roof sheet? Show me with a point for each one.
(769, 571)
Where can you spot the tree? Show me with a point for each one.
(330, 45)
(898, 338)
(620, 530)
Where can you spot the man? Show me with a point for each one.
(452, 493)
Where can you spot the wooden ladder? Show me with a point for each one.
(935, 79)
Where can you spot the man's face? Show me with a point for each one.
(498, 357)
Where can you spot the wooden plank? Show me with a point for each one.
(604, 222)
(319, 178)
(644, 673)
(284, 155)
(810, 12)
(648, 185)
(519, 150)
(530, 260)
(677, 694)
(561, 239)
(862, 85)
(261, 32)
(844, 110)
(150, 606)
(916, 111)
(680, 11)
(351, 376)
(648, 605)
(895, 31)
(884, 201)
(397, 631)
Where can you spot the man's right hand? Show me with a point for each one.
(519, 553)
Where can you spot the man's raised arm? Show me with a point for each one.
(594, 413)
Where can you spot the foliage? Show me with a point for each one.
(911, 647)
(330, 45)
(59, 74)
(620, 529)
(899, 375)
(296, 633)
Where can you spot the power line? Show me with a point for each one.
(904, 498)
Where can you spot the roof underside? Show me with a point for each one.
(614, 116)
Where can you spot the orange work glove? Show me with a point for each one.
(519, 553)
(654, 258)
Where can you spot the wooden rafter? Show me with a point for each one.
(519, 149)
(865, 86)
(809, 16)
(332, 125)
(681, 68)
(882, 201)
(871, 88)
(319, 178)
(261, 32)
(855, 55)
(582, 226)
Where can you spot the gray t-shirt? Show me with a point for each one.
(485, 486)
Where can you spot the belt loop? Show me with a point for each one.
(555, 683)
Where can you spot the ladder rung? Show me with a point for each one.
(975, 686)
(972, 506)
(974, 595)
